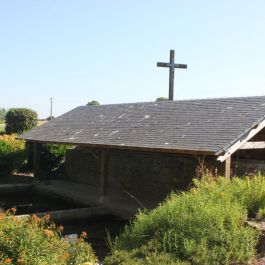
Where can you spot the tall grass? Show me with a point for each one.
(205, 225)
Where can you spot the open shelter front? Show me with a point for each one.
(168, 139)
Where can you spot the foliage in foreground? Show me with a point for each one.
(37, 241)
(12, 154)
(19, 120)
(205, 225)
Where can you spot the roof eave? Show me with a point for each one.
(245, 136)
(127, 147)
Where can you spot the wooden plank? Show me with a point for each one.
(104, 163)
(253, 145)
(159, 64)
(228, 167)
(245, 138)
(171, 75)
(179, 65)
(36, 160)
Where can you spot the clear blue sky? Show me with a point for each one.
(80, 50)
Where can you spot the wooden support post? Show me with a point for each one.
(36, 160)
(104, 161)
(228, 167)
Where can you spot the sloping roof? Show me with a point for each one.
(202, 125)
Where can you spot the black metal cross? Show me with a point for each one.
(171, 65)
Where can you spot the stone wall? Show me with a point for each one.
(83, 166)
(140, 173)
(145, 174)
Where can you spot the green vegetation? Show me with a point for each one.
(2, 126)
(203, 226)
(19, 120)
(52, 157)
(12, 154)
(162, 99)
(37, 241)
(50, 118)
(2, 114)
(93, 102)
(16, 156)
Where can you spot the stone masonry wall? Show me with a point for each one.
(146, 175)
(142, 174)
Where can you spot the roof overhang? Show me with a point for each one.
(241, 140)
(131, 148)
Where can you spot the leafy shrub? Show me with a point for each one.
(37, 241)
(52, 156)
(12, 154)
(162, 99)
(205, 225)
(19, 120)
(93, 103)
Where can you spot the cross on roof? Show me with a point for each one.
(171, 65)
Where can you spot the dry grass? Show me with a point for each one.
(41, 122)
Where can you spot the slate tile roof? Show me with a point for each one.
(204, 125)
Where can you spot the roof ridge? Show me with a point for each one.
(177, 100)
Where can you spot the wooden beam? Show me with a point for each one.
(104, 163)
(228, 167)
(36, 160)
(245, 138)
(130, 148)
(253, 145)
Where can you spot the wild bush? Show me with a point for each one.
(37, 241)
(19, 120)
(249, 192)
(205, 225)
(51, 157)
(12, 154)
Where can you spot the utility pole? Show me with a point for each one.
(51, 99)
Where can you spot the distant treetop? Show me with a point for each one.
(162, 99)
(2, 114)
(93, 102)
(50, 118)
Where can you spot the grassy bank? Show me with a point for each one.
(206, 225)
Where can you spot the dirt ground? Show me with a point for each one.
(260, 262)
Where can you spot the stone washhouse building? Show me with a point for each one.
(143, 151)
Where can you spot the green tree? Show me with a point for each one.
(93, 102)
(50, 118)
(2, 114)
(19, 120)
(162, 99)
